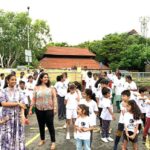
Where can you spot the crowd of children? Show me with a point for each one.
(82, 106)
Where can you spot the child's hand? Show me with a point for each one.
(84, 129)
(30, 112)
(113, 117)
(132, 136)
(21, 105)
(80, 129)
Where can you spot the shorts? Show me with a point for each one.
(135, 140)
(71, 113)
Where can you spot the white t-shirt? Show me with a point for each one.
(2, 82)
(147, 108)
(61, 89)
(25, 94)
(129, 122)
(123, 111)
(106, 103)
(92, 109)
(89, 83)
(85, 123)
(72, 102)
(119, 86)
(141, 103)
(30, 87)
(100, 97)
(130, 86)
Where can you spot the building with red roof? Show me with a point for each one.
(69, 58)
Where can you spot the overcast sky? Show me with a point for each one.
(76, 21)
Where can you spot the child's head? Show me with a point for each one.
(78, 85)
(22, 84)
(89, 74)
(118, 75)
(88, 94)
(128, 78)
(83, 110)
(126, 95)
(133, 108)
(104, 83)
(30, 78)
(106, 92)
(58, 78)
(72, 88)
(2, 75)
(142, 90)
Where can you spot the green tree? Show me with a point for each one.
(13, 38)
(124, 51)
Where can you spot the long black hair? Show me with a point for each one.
(85, 108)
(39, 82)
(135, 110)
(7, 79)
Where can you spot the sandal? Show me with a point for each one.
(53, 146)
(42, 142)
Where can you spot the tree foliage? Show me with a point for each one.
(13, 38)
(123, 51)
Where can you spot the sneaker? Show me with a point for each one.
(104, 140)
(68, 136)
(110, 139)
(75, 135)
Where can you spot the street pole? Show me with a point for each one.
(28, 36)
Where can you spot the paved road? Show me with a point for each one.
(32, 138)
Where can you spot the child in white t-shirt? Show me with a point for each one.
(147, 125)
(125, 96)
(107, 115)
(25, 94)
(141, 98)
(83, 126)
(93, 109)
(71, 101)
(131, 123)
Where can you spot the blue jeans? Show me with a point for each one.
(83, 143)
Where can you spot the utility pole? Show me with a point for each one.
(28, 54)
(28, 36)
(144, 28)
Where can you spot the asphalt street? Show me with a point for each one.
(33, 137)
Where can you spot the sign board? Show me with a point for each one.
(28, 53)
(28, 59)
(28, 56)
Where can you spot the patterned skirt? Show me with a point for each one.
(12, 132)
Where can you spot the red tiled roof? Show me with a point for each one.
(70, 51)
(64, 63)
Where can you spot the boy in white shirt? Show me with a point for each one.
(61, 90)
(141, 98)
(99, 97)
(2, 80)
(89, 81)
(107, 115)
(24, 92)
(125, 98)
(119, 87)
(130, 85)
(71, 101)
